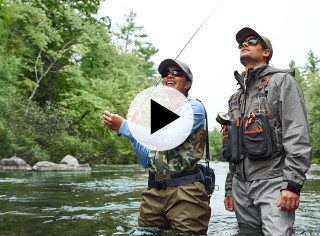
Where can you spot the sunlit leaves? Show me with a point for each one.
(56, 53)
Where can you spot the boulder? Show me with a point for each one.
(68, 163)
(69, 160)
(14, 163)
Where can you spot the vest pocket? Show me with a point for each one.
(230, 141)
(259, 138)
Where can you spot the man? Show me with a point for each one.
(169, 203)
(266, 141)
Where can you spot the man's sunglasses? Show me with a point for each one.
(176, 73)
(250, 42)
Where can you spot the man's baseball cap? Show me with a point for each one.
(246, 32)
(163, 67)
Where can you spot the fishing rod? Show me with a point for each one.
(198, 29)
(193, 36)
(160, 79)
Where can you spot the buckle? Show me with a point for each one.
(160, 184)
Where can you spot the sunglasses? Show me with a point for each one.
(250, 42)
(176, 73)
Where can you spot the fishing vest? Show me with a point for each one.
(254, 128)
(163, 164)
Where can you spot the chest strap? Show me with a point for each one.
(176, 180)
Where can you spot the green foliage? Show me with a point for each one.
(9, 64)
(28, 129)
(85, 7)
(311, 78)
(6, 140)
(215, 140)
(66, 144)
(59, 70)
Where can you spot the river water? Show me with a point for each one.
(105, 201)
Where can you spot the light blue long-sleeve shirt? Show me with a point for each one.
(141, 151)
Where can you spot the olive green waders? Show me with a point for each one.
(184, 208)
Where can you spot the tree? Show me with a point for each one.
(215, 140)
(130, 38)
(311, 75)
(127, 36)
(59, 71)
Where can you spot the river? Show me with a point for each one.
(105, 201)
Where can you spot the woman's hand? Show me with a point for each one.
(112, 120)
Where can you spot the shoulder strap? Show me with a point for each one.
(207, 139)
(264, 82)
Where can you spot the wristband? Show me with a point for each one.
(291, 186)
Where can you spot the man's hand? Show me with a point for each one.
(288, 201)
(111, 120)
(228, 203)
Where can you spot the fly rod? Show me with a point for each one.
(198, 29)
(184, 47)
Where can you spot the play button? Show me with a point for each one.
(160, 118)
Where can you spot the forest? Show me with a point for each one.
(61, 67)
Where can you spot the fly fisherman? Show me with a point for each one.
(167, 202)
(266, 141)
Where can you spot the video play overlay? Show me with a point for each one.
(160, 118)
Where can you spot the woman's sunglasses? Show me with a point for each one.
(176, 73)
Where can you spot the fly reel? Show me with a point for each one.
(223, 118)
